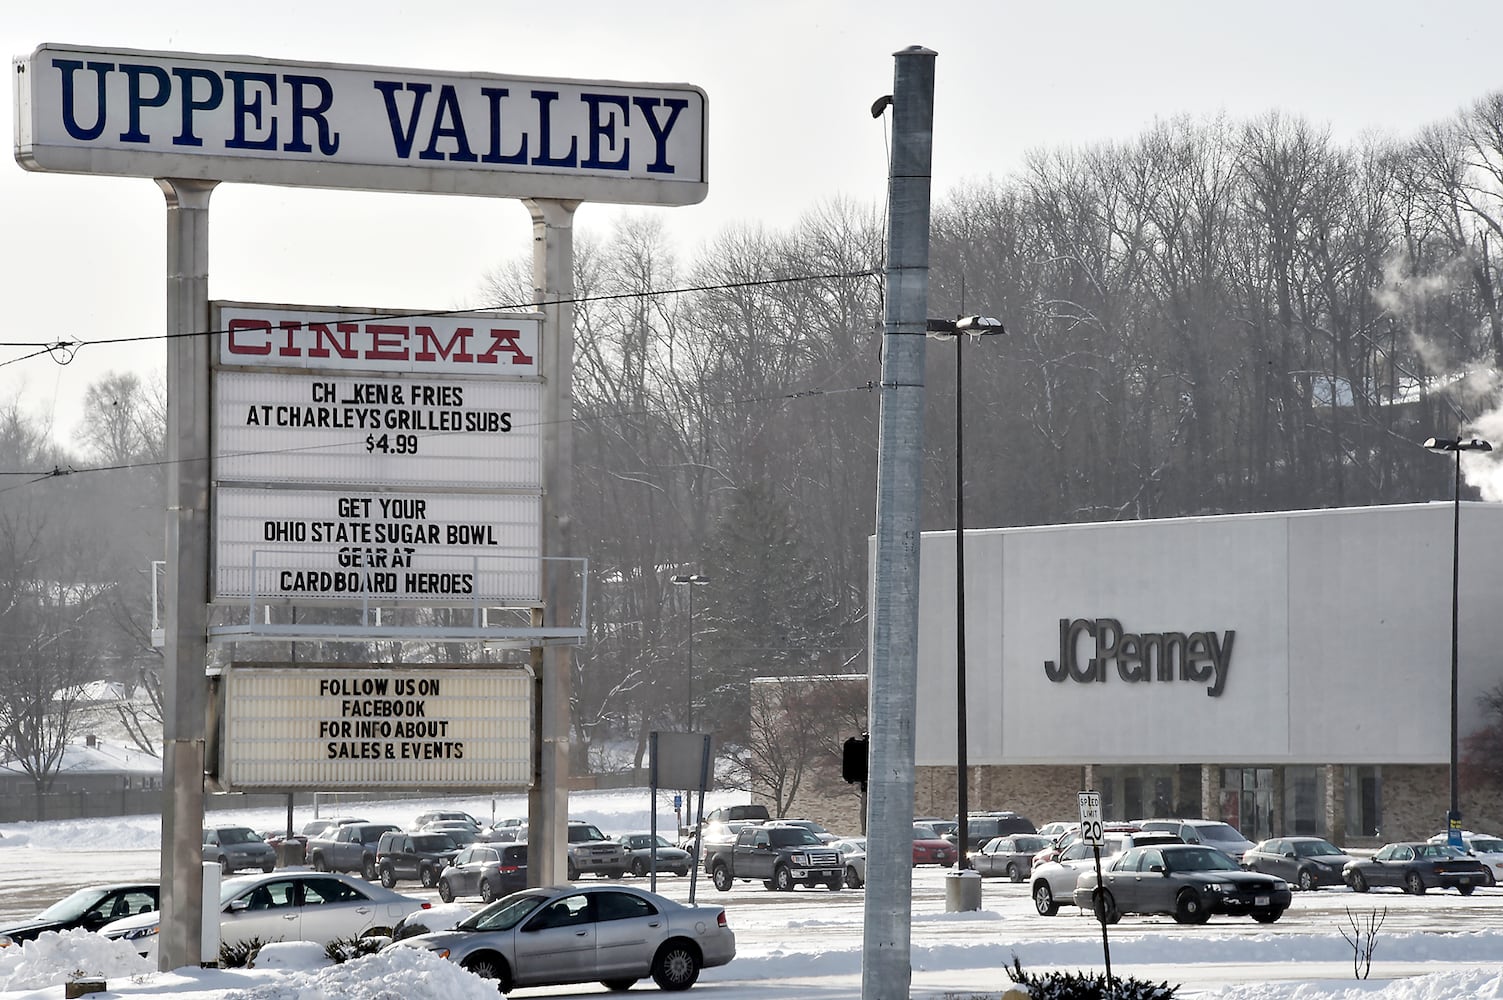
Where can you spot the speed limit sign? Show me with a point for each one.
(1090, 818)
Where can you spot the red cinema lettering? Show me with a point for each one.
(243, 341)
(289, 348)
(431, 349)
(324, 339)
(388, 343)
(504, 341)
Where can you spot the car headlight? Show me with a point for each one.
(1279, 885)
(1215, 887)
(802, 860)
(137, 933)
(5, 941)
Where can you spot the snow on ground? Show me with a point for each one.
(296, 971)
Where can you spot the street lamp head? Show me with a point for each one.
(691, 578)
(1457, 444)
(979, 326)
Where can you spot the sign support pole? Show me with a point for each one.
(185, 656)
(553, 291)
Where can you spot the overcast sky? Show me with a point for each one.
(789, 84)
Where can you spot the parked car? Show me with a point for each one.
(286, 906)
(981, 827)
(640, 848)
(437, 815)
(1054, 881)
(1070, 836)
(613, 934)
(592, 852)
(509, 830)
(1415, 867)
(318, 827)
(1189, 881)
(1213, 833)
(489, 871)
(1052, 830)
(747, 813)
(1485, 847)
(350, 847)
(808, 824)
(929, 848)
(715, 834)
(89, 908)
(459, 832)
(853, 851)
(421, 856)
(943, 827)
(1306, 863)
(236, 848)
(1010, 856)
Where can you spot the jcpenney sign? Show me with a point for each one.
(237, 118)
(1138, 657)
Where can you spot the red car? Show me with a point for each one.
(929, 848)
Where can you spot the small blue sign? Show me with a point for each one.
(678, 802)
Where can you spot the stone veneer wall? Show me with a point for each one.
(1416, 799)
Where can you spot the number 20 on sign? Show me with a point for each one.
(1090, 818)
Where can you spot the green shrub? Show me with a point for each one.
(1086, 986)
(341, 950)
(239, 956)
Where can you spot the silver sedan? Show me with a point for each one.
(612, 934)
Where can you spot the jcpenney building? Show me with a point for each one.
(1288, 673)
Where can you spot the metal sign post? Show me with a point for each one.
(1090, 833)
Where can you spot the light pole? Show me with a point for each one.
(943, 329)
(691, 581)
(1456, 446)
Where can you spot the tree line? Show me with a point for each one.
(1212, 317)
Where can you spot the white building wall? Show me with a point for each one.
(1341, 651)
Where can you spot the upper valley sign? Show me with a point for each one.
(1198, 657)
(239, 118)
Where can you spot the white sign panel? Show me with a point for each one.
(261, 121)
(377, 430)
(1090, 818)
(427, 547)
(335, 727)
(477, 345)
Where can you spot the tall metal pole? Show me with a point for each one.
(1453, 819)
(185, 693)
(690, 728)
(962, 831)
(886, 972)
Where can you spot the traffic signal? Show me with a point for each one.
(853, 761)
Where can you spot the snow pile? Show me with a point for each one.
(57, 957)
(409, 973)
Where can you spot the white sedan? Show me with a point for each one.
(853, 855)
(286, 906)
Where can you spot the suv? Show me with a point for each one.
(489, 870)
(752, 813)
(981, 827)
(422, 856)
(592, 851)
(348, 848)
(436, 815)
(235, 848)
(1209, 832)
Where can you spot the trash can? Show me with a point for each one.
(962, 891)
(289, 853)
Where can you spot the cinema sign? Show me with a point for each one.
(264, 121)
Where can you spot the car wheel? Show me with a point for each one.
(1306, 880)
(1188, 909)
(225, 867)
(852, 877)
(782, 879)
(721, 876)
(835, 884)
(269, 868)
(676, 966)
(445, 891)
(1105, 906)
(1413, 884)
(487, 893)
(1267, 916)
(1043, 899)
(618, 985)
(1359, 882)
(617, 874)
(489, 965)
(1014, 873)
(388, 877)
(1487, 877)
(368, 869)
(573, 872)
(318, 863)
(638, 867)
(1466, 890)
(429, 877)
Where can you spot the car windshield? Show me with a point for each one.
(585, 832)
(1198, 860)
(1221, 833)
(432, 842)
(73, 906)
(505, 913)
(239, 835)
(1030, 844)
(792, 836)
(922, 832)
(1315, 849)
(1487, 845)
(1438, 851)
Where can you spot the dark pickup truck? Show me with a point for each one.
(781, 856)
